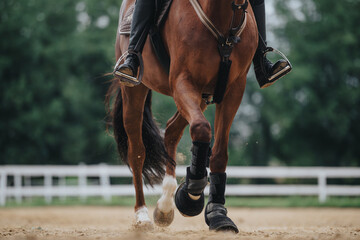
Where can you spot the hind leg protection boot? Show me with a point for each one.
(189, 198)
(266, 72)
(215, 212)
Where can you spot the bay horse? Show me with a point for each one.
(194, 70)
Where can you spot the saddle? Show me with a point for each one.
(162, 10)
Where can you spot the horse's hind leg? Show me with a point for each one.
(215, 212)
(164, 211)
(133, 107)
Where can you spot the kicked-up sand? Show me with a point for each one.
(40, 223)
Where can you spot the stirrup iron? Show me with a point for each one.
(128, 80)
(280, 73)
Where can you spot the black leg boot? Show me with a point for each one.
(143, 18)
(189, 198)
(215, 212)
(266, 72)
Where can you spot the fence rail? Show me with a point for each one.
(21, 185)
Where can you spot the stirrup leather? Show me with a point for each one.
(128, 80)
(280, 73)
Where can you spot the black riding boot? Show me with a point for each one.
(266, 72)
(215, 212)
(189, 198)
(143, 18)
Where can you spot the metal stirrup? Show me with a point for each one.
(288, 68)
(134, 80)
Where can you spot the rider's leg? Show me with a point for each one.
(143, 17)
(266, 72)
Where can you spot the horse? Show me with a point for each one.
(193, 74)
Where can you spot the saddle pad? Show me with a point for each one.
(125, 24)
(162, 11)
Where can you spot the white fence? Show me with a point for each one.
(21, 177)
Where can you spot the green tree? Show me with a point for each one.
(52, 54)
(311, 117)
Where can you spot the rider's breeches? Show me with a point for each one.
(259, 12)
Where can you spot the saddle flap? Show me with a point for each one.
(125, 24)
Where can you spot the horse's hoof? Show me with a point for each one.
(187, 206)
(163, 219)
(144, 226)
(216, 219)
(143, 221)
(223, 224)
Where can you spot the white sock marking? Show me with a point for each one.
(142, 215)
(166, 202)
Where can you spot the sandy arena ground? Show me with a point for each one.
(117, 223)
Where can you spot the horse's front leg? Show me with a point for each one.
(215, 211)
(133, 107)
(189, 197)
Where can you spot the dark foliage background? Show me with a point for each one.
(53, 55)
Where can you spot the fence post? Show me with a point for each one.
(27, 181)
(82, 181)
(48, 188)
(3, 185)
(18, 186)
(105, 182)
(322, 187)
(62, 183)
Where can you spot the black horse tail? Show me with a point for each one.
(156, 155)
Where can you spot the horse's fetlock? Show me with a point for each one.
(217, 188)
(169, 184)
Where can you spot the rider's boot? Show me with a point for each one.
(266, 72)
(189, 198)
(215, 212)
(143, 18)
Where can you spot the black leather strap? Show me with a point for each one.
(225, 47)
